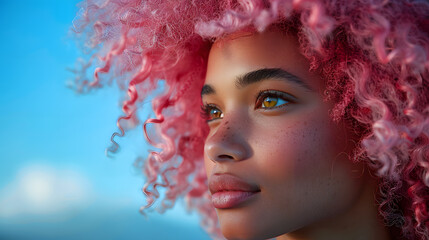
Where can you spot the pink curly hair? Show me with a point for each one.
(374, 55)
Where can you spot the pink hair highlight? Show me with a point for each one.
(374, 56)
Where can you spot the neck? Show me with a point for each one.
(360, 222)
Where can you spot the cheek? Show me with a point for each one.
(287, 150)
(303, 176)
(305, 160)
(208, 164)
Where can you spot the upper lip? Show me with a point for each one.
(228, 182)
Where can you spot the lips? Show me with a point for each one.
(229, 191)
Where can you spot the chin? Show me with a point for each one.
(237, 232)
(232, 235)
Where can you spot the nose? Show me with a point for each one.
(227, 143)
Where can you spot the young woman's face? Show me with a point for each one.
(275, 161)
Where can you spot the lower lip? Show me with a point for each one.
(231, 199)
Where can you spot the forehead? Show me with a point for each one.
(246, 51)
(254, 43)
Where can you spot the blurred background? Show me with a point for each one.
(55, 181)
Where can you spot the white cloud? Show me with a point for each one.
(42, 190)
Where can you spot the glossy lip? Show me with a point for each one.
(229, 191)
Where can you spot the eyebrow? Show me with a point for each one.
(258, 76)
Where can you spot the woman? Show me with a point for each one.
(315, 113)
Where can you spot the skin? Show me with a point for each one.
(294, 153)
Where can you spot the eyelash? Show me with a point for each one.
(207, 108)
(273, 93)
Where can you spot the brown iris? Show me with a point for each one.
(215, 113)
(270, 102)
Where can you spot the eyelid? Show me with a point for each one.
(207, 107)
(271, 92)
(205, 111)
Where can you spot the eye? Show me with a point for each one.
(211, 112)
(270, 99)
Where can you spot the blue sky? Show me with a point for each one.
(55, 181)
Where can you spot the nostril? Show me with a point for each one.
(225, 156)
